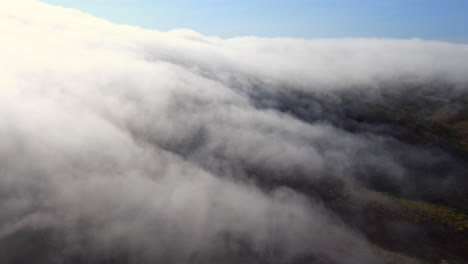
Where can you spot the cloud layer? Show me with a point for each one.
(121, 142)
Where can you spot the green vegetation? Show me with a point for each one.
(442, 122)
(425, 212)
(421, 212)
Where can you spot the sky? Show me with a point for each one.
(427, 19)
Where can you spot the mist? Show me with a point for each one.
(125, 145)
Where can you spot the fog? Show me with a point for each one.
(124, 143)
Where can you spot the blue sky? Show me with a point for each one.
(427, 19)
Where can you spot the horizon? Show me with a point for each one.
(429, 20)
